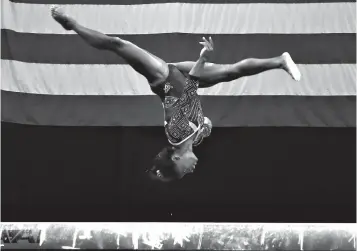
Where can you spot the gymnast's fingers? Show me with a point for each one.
(211, 42)
(208, 44)
(203, 43)
(206, 41)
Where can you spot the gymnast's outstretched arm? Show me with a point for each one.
(153, 68)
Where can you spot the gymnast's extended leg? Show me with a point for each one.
(153, 68)
(218, 73)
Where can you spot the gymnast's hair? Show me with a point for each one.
(163, 165)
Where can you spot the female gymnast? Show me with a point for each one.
(176, 84)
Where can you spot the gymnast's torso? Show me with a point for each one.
(183, 117)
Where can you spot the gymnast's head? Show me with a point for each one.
(173, 163)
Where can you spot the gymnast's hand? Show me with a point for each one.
(207, 49)
(206, 52)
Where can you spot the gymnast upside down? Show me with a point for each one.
(176, 84)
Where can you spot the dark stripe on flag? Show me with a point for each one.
(133, 2)
(224, 111)
(175, 47)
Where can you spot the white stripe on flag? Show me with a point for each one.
(317, 80)
(188, 18)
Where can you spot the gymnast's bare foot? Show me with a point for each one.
(290, 67)
(63, 19)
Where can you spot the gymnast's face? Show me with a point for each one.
(185, 163)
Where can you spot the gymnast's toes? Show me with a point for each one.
(290, 66)
(59, 15)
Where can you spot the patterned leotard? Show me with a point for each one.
(183, 113)
(187, 117)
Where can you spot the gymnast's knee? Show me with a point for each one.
(240, 68)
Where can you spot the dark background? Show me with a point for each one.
(243, 174)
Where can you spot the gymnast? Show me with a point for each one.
(176, 84)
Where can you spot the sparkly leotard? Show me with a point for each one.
(183, 112)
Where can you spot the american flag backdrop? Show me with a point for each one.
(80, 126)
(51, 77)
